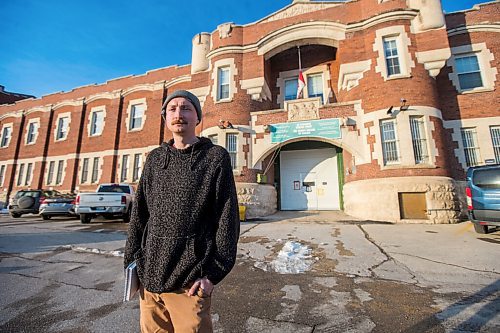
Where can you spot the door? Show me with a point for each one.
(309, 180)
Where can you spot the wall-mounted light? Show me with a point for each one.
(403, 107)
(225, 124)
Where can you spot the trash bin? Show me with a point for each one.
(243, 213)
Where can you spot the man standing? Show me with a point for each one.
(184, 226)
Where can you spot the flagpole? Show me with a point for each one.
(300, 62)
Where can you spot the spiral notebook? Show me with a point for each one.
(132, 282)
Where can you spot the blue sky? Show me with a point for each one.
(56, 45)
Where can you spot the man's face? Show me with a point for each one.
(181, 116)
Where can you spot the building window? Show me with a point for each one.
(32, 132)
(391, 56)
(2, 174)
(291, 86)
(223, 80)
(231, 146)
(471, 149)
(20, 176)
(389, 141)
(95, 170)
(96, 122)
(62, 128)
(136, 116)
(29, 170)
(137, 167)
(214, 138)
(50, 175)
(6, 134)
(469, 74)
(495, 138)
(85, 170)
(123, 176)
(418, 140)
(315, 86)
(60, 166)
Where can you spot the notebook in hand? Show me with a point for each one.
(132, 282)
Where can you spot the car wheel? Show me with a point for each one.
(46, 217)
(15, 215)
(126, 217)
(480, 229)
(85, 218)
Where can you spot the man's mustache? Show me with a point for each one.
(178, 121)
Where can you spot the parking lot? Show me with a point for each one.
(357, 276)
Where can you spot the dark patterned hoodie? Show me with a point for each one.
(187, 198)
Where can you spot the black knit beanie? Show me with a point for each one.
(186, 94)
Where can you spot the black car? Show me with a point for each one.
(28, 201)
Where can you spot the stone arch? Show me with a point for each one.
(319, 32)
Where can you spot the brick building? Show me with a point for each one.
(399, 100)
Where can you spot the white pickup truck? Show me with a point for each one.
(110, 201)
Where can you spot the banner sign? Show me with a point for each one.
(324, 128)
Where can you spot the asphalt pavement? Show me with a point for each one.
(296, 272)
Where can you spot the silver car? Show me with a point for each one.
(63, 205)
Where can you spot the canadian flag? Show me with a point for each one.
(300, 86)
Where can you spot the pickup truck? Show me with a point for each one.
(110, 201)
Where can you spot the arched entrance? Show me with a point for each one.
(308, 176)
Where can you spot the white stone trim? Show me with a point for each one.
(402, 42)
(104, 95)
(46, 108)
(201, 93)
(351, 73)
(433, 60)
(321, 69)
(32, 121)
(14, 114)
(89, 120)
(483, 27)
(257, 88)
(139, 101)
(5, 125)
(484, 58)
(482, 126)
(144, 87)
(78, 102)
(177, 80)
(430, 15)
(233, 74)
(59, 116)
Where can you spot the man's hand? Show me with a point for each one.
(205, 284)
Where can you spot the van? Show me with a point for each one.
(483, 196)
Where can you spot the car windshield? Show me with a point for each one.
(34, 194)
(488, 178)
(114, 188)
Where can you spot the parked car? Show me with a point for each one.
(483, 196)
(110, 201)
(60, 205)
(28, 201)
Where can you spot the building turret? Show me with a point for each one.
(201, 47)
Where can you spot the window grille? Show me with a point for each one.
(315, 86)
(29, 169)
(136, 116)
(50, 175)
(391, 56)
(223, 79)
(60, 166)
(96, 122)
(495, 138)
(124, 168)
(468, 71)
(20, 176)
(291, 86)
(95, 169)
(389, 142)
(85, 170)
(137, 167)
(418, 140)
(231, 146)
(471, 149)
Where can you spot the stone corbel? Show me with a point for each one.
(434, 60)
(225, 29)
(351, 73)
(257, 88)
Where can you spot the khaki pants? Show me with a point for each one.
(175, 312)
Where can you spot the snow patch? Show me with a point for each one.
(294, 258)
(114, 253)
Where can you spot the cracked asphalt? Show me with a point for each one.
(61, 276)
